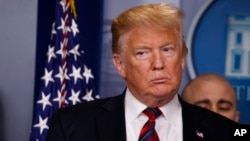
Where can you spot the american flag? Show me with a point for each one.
(199, 134)
(66, 80)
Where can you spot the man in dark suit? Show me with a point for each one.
(213, 92)
(149, 53)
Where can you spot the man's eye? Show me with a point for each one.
(224, 108)
(141, 55)
(168, 51)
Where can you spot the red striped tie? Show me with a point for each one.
(148, 132)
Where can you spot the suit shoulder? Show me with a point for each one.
(207, 115)
(212, 125)
(88, 108)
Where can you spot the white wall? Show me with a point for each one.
(17, 64)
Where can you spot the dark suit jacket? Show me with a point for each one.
(104, 120)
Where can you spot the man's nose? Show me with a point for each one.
(214, 108)
(157, 61)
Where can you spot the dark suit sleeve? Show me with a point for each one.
(55, 132)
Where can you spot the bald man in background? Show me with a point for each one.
(213, 92)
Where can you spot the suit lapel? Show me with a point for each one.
(111, 121)
(193, 130)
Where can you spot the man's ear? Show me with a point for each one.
(119, 65)
(183, 63)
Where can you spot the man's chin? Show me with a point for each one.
(164, 94)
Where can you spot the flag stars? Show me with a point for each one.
(74, 97)
(88, 96)
(75, 52)
(76, 74)
(61, 50)
(51, 53)
(63, 27)
(42, 124)
(62, 75)
(53, 30)
(74, 27)
(87, 74)
(45, 101)
(60, 98)
(47, 77)
(64, 6)
(65, 75)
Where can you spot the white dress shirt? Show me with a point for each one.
(168, 125)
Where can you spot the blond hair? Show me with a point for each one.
(163, 16)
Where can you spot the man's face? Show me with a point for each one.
(151, 64)
(215, 96)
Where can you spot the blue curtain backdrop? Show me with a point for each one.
(222, 30)
(89, 19)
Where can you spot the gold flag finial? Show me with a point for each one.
(73, 7)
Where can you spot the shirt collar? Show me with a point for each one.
(169, 110)
(135, 107)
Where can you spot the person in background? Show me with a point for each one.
(149, 54)
(213, 92)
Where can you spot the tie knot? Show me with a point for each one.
(152, 113)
